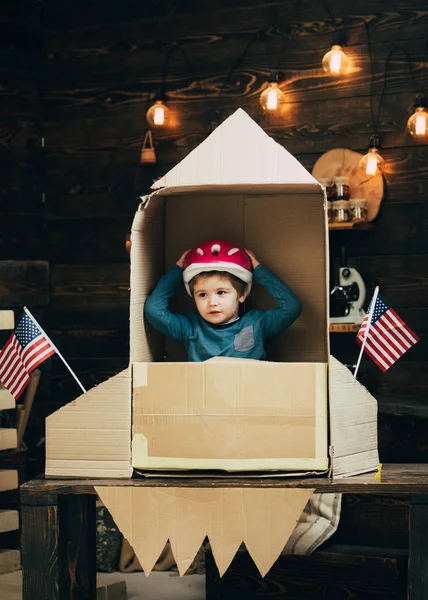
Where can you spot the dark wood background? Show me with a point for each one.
(76, 78)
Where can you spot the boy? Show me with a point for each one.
(218, 276)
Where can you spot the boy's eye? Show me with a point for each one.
(221, 292)
(201, 295)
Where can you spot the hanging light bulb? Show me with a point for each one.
(417, 125)
(372, 162)
(335, 62)
(272, 97)
(158, 113)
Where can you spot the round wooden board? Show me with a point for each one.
(341, 162)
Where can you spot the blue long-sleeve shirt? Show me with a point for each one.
(243, 338)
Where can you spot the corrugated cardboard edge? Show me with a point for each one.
(146, 270)
(148, 517)
(353, 424)
(90, 437)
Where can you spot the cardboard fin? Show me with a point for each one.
(272, 515)
(149, 516)
(193, 509)
(353, 423)
(224, 550)
(94, 428)
(142, 517)
(237, 151)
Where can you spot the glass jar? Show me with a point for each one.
(326, 183)
(341, 211)
(358, 210)
(342, 189)
(330, 214)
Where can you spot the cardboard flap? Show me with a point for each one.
(238, 151)
(91, 435)
(150, 516)
(353, 423)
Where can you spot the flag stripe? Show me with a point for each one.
(13, 360)
(377, 339)
(403, 327)
(41, 357)
(35, 352)
(374, 343)
(7, 357)
(396, 331)
(380, 332)
(388, 341)
(19, 385)
(377, 360)
(389, 336)
(32, 348)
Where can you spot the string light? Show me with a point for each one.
(417, 125)
(372, 162)
(158, 113)
(272, 96)
(335, 62)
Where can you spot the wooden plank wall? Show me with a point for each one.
(101, 61)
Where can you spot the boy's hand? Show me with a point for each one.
(254, 262)
(180, 261)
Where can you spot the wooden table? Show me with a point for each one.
(58, 524)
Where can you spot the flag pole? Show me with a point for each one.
(369, 322)
(54, 347)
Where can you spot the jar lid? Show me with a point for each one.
(341, 179)
(338, 204)
(358, 202)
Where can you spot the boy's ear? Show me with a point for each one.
(243, 297)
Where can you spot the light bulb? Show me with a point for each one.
(417, 125)
(371, 163)
(271, 97)
(158, 114)
(335, 62)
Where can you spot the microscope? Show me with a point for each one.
(348, 295)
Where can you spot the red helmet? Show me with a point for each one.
(217, 255)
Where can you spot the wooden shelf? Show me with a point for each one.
(360, 226)
(344, 327)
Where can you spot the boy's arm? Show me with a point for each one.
(157, 310)
(276, 320)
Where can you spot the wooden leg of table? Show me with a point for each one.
(418, 548)
(77, 537)
(58, 547)
(39, 549)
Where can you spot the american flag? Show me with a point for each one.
(25, 349)
(388, 337)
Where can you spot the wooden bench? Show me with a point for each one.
(58, 524)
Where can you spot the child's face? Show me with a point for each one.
(216, 299)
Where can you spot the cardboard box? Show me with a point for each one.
(300, 411)
(231, 414)
(239, 184)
